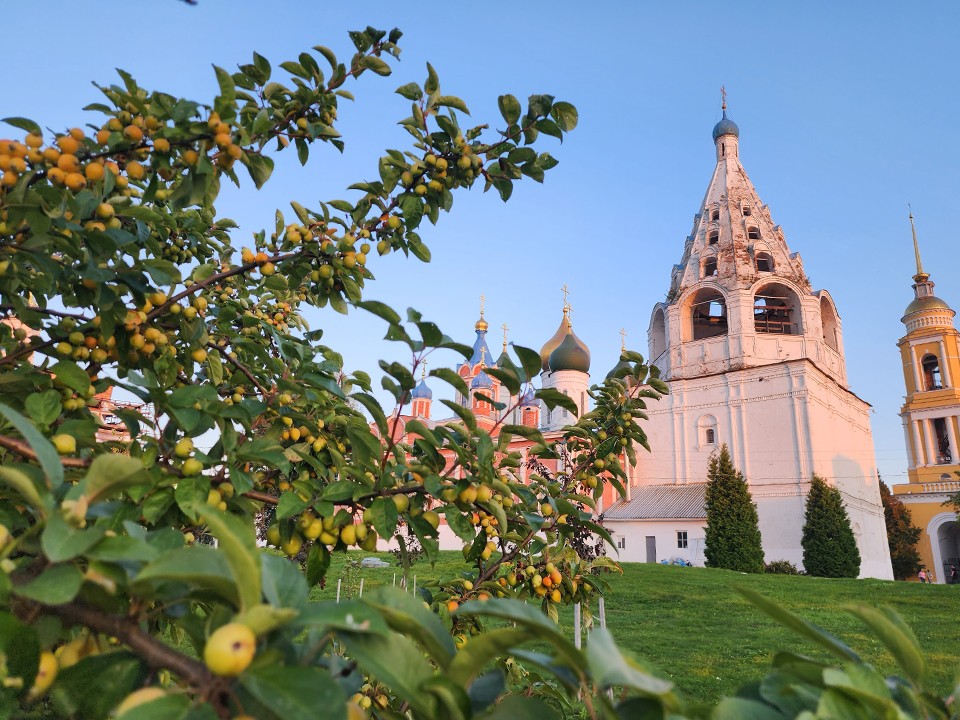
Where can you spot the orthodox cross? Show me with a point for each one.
(483, 299)
(565, 294)
(483, 356)
(723, 94)
(504, 328)
(423, 375)
(623, 340)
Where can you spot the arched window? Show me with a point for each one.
(828, 317)
(776, 310)
(944, 456)
(753, 233)
(708, 314)
(747, 212)
(715, 215)
(713, 238)
(657, 335)
(931, 373)
(706, 431)
(764, 262)
(709, 267)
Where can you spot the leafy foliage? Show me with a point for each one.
(902, 535)
(780, 567)
(732, 536)
(829, 547)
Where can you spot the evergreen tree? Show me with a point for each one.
(829, 547)
(733, 535)
(902, 535)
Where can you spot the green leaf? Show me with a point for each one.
(896, 636)
(290, 504)
(381, 310)
(238, 542)
(432, 83)
(114, 674)
(377, 65)
(554, 398)
(451, 101)
(463, 413)
(168, 707)
(508, 378)
(800, 626)
(565, 115)
(509, 108)
(395, 661)
(610, 667)
(283, 584)
(451, 377)
(71, 375)
(195, 565)
(46, 454)
(56, 585)
(20, 649)
(27, 489)
(411, 91)
(296, 693)
(260, 168)
(108, 474)
(384, 516)
(521, 707)
(474, 657)
(24, 124)
(61, 541)
(43, 408)
(407, 614)
(735, 708)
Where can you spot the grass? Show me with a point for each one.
(690, 625)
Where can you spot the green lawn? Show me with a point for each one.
(691, 626)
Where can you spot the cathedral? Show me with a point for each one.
(931, 370)
(753, 357)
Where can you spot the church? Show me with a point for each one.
(753, 357)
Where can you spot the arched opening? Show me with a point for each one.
(715, 215)
(713, 238)
(753, 233)
(764, 262)
(709, 267)
(948, 541)
(942, 439)
(828, 318)
(776, 310)
(709, 314)
(657, 336)
(747, 212)
(931, 373)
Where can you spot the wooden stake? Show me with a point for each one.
(577, 635)
(361, 589)
(338, 589)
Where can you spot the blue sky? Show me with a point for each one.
(844, 113)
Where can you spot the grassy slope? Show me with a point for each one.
(691, 626)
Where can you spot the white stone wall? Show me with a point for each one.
(633, 535)
(572, 383)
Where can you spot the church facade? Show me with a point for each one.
(753, 357)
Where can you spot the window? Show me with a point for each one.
(621, 542)
(715, 215)
(710, 436)
(707, 432)
(776, 310)
(931, 373)
(747, 212)
(710, 267)
(753, 233)
(764, 262)
(713, 237)
(682, 539)
(944, 456)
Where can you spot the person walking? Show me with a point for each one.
(922, 575)
(953, 575)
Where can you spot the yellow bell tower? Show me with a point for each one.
(930, 352)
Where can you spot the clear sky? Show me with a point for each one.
(847, 112)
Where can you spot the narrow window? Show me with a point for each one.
(621, 542)
(713, 237)
(715, 216)
(681, 539)
(709, 267)
(710, 437)
(931, 373)
(747, 212)
(944, 456)
(753, 233)
(764, 262)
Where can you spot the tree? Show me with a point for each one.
(732, 535)
(115, 272)
(829, 547)
(902, 535)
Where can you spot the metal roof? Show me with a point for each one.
(661, 502)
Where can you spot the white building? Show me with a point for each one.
(754, 358)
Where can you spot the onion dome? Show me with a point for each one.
(481, 351)
(726, 126)
(550, 345)
(482, 380)
(422, 392)
(622, 364)
(481, 325)
(570, 354)
(930, 302)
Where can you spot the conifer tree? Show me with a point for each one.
(829, 547)
(733, 534)
(902, 535)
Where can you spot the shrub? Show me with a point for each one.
(732, 537)
(780, 567)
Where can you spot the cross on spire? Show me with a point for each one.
(483, 300)
(723, 95)
(565, 292)
(623, 340)
(483, 356)
(423, 374)
(504, 328)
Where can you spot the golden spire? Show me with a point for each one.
(623, 340)
(921, 275)
(504, 328)
(482, 324)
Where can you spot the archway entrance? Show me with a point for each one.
(948, 541)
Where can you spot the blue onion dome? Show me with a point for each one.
(482, 380)
(622, 364)
(570, 354)
(726, 126)
(422, 392)
(530, 398)
(550, 345)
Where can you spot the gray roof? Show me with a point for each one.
(661, 502)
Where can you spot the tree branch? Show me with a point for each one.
(22, 448)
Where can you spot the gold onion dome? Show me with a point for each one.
(481, 325)
(570, 354)
(550, 345)
(930, 302)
